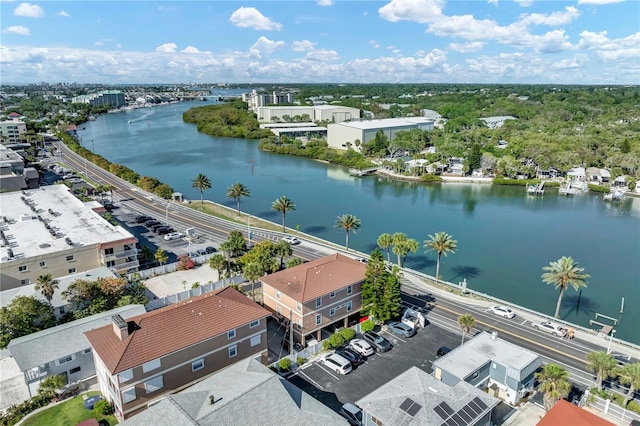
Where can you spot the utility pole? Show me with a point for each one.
(290, 331)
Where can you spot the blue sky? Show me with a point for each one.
(304, 41)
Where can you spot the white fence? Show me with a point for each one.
(612, 410)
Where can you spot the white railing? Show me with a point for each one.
(611, 409)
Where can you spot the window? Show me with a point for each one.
(128, 395)
(332, 312)
(278, 295)
(61, 310)
(72, 270)
(43, 264)
(108, 251)
(318, 319)
(349, 289)
(255, 340)
(197, 365)
(231, 334)
(154, 384)
(233, 351)
(22, 268)
(376, 421)
(299, 324)
(111, 263)
(299, 307)
(318, 302)
(70, 258)
(278, 310)
(74, 370)
(151, 365)
(349, 306)
(254, 324)
(25, 281)
(65, 359)
(332, 294)
(126, 375)
(87, 351)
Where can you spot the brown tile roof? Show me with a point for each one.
(565, 413)
(174, 327)
(316, 278)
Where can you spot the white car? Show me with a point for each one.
(362, 347)
(337, 363)
(173, 236)
(291, 240)
(550, 327)
(502, 311)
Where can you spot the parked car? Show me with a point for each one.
(164, 230)
(297, 347)
(503, 311)
(201, 252)
(142, 219)
(622, 360)
(351, 354)
(362, 347)
(352, 413)
(291, 240)
(210, 250)
(151, 223)
(442, 351)
(401, 329)
(173, 236)
(337, 363)
(550, 327)
(378, 342)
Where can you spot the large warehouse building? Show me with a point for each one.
(339, 134)
(329, 113)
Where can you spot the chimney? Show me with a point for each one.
(212, 399)
(120, 327)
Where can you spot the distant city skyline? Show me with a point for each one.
(323, 41)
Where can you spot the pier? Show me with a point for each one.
(536, 189)
(363, 172)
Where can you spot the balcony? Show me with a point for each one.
(37, 373)
(126, 267)
(119, 255)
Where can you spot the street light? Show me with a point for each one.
(610, 340)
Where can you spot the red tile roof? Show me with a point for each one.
(316, 278)
(174, 327)
(565, 413)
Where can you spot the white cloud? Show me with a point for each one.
(422, 11)
(553, 19)
(551, 42)
(493, 2)
(167, 48)
(325, 2)
(598, 1)
(264, 46)
(472, 46)
(303, 46)
(611, 49)
(375, 44)
(17, 29)
(190, 49)
(524, 3)
(322, 55)
(63, 13)
(578, 61)
(29, 10)
(250, 17)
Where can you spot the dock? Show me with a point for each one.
(363, 172)
(568, 190)
(536, 189)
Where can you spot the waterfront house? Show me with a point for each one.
(546, 173)
(488, 362)
(140, 361)
(576, 174)
(620, 181)
(322, 293)
(566, 413)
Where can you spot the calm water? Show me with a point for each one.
(504, 238)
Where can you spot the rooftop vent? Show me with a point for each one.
(68, 241)
(10, 253)
(120, 327)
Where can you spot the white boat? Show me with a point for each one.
(129, 121)
(616, 195)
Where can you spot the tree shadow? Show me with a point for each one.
(464, 272)
(574, 303)
(420, 262)
(316, 229)
(269, 214)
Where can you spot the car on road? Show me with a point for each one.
(378, 342)
(401, 329)
(210, 250)
(503, 311)
(291, 240)
(352, 413)
(351, 354)
(550, 327)
(173, 236)
(337, 363)
(622, 360)
(442, 351)
(362, 347)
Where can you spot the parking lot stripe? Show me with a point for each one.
(523, 322)
(395, 337)
(326, 371)
(316, 384)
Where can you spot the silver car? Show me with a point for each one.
(401, 329)
(362, 347)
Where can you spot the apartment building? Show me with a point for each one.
(255, 99)
(316, 294)
(140, 361)
(11, 131)
(50, 231)
(114, 98)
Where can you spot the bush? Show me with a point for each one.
(367, 325)
(326, 345)
(515, 182)
(284, 364)
(633, 406)
(347, 334)
(103, 407)
(300, 360)
(598, 188)
(430, 178)
(336, 340)
(185, 263)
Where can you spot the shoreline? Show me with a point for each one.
(445, 179)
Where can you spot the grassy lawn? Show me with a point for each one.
(68, 413)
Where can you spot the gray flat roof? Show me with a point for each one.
(53, 343)
(386, 123)
(300, 129)
(62, 212)
(286, 125)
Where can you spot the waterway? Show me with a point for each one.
(504, 237)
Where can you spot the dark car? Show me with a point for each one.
(297, 347)
(155, 227)
(151, 223)
(354, 357)
(442, 351)
(210, 250)
(164, 230)
(378, 342)
(142, 219)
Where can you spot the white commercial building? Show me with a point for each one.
(50, 231)
(341, 134)
(329, 113)
(11, 131)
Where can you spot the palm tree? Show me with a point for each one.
(601, 363)
(402, 246)
(237, 191)
(554, 382)
(283, 205)
(47, 286)
(201, 183)
(146, 253)
(252, 272)
(282, 249)
(384, 242)
(161, 257)
(441, 243)
(629, 374)
(348, 222)
(562, 273)
(466, 323)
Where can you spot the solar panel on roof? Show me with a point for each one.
(443, 410)
(466, 415)
(459, 420)
(480, 403)
(413, 410)
(471, 409)
(406, 404)
(450, 422)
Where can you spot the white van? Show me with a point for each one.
(337, 363)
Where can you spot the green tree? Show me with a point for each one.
(227, 248)
(349, 223)
(23, 315)
(381, 289)
(252, 271)
(219, 263)
(237, 191)
(48, 386)
(402, 246)
(161, 256)
(601, 363)
(385, 241)
(441, 243)
(294, 261)
(201, 183)
(629, 374)
(283, 205)
(563, 273)
(47, 286)
(146, 253)
(466, 323)
(554, 383)
(237, 242)
(283, 249)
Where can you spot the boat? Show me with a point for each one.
(616, 195)
(129, 121)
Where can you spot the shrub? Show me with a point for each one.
(103, 407)
(430, 178)
(185, 263)
(515, 182)
(284, 364)
(367, 325)
(300, 360)
(348, 334)
(633, 406)
(598, 188)
(336, 340)
(326, 345)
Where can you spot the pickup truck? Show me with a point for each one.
(550, 327)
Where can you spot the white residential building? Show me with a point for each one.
(11, 131)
